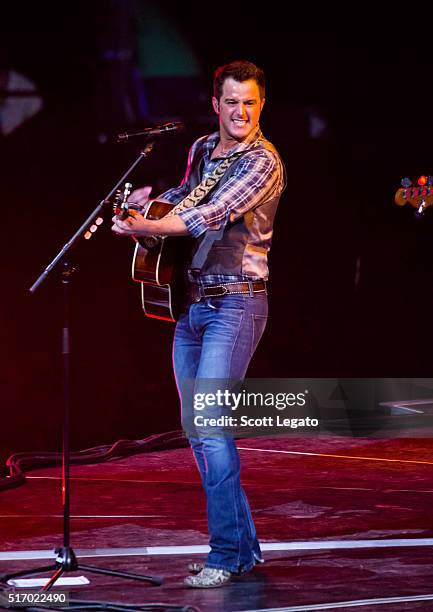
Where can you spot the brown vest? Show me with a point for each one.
(229, 250)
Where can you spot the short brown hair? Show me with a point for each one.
(240, 71)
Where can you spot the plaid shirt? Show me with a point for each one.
(257, 177)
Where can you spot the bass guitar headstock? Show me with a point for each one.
(419, 195)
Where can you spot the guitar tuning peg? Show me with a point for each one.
(406, 182)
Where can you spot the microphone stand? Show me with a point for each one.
(66, 560)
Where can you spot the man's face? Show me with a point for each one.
(238, 108)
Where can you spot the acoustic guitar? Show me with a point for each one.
(158, 262)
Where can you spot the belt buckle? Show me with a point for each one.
(196, 293)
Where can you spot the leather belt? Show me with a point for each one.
(196, 292)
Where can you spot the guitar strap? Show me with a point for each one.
(203, 188)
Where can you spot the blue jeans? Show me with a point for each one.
(216, 338)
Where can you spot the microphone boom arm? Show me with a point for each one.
(158, 130)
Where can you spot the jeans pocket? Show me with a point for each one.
(259, 324)
(210, 304)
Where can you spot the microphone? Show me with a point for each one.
(158, 130)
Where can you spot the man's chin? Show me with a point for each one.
(240, 134)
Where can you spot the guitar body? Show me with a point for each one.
(158, 264)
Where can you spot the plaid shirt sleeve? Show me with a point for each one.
(257, 178)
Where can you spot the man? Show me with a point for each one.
(223, 321)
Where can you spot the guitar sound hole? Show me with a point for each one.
(150, 242)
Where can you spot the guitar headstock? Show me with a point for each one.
(418, 195)
(120, 204)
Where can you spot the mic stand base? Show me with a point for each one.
(66, 561)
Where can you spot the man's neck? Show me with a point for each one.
(226, 144)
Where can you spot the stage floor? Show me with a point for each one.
(340, 519)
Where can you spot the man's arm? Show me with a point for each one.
(137, 225)
(257, 179)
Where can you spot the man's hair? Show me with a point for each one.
(240, 71)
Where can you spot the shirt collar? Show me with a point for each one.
(246, 144)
